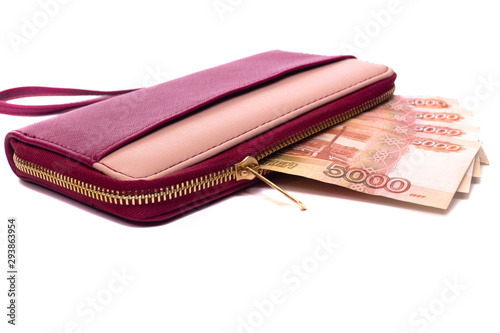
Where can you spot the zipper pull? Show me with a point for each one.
(248, 170)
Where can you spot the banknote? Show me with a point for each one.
(465, 132)
(482, 156)
(436, 115)
(474, 171)
(437, 111)
(407, 115)
(465, 184)
(384, 156)
(424, 116)
(462, 131)
(427, 104)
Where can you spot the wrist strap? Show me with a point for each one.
(39, 110)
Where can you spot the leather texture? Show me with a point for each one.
(209, 132)
(92, 132)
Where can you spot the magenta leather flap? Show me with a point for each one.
(91, 132)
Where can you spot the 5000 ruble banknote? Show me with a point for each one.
(373, 155)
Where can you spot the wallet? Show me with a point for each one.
(153, 154)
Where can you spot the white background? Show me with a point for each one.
(207, 271)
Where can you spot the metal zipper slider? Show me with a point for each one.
(247, 169)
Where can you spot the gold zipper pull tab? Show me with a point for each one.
(247, 169)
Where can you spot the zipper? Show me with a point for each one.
(245, 170)
(249, 169)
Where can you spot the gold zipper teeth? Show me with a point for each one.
(322, 126)
(123, 198)
(144, 197)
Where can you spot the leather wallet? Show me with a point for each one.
(154, 153)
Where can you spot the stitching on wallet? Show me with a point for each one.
(47, 140)
(283, 115)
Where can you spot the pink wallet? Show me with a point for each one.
(152, 154)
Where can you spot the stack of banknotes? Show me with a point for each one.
(421, 150)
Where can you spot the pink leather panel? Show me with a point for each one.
(206, 134)
(89, 133)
